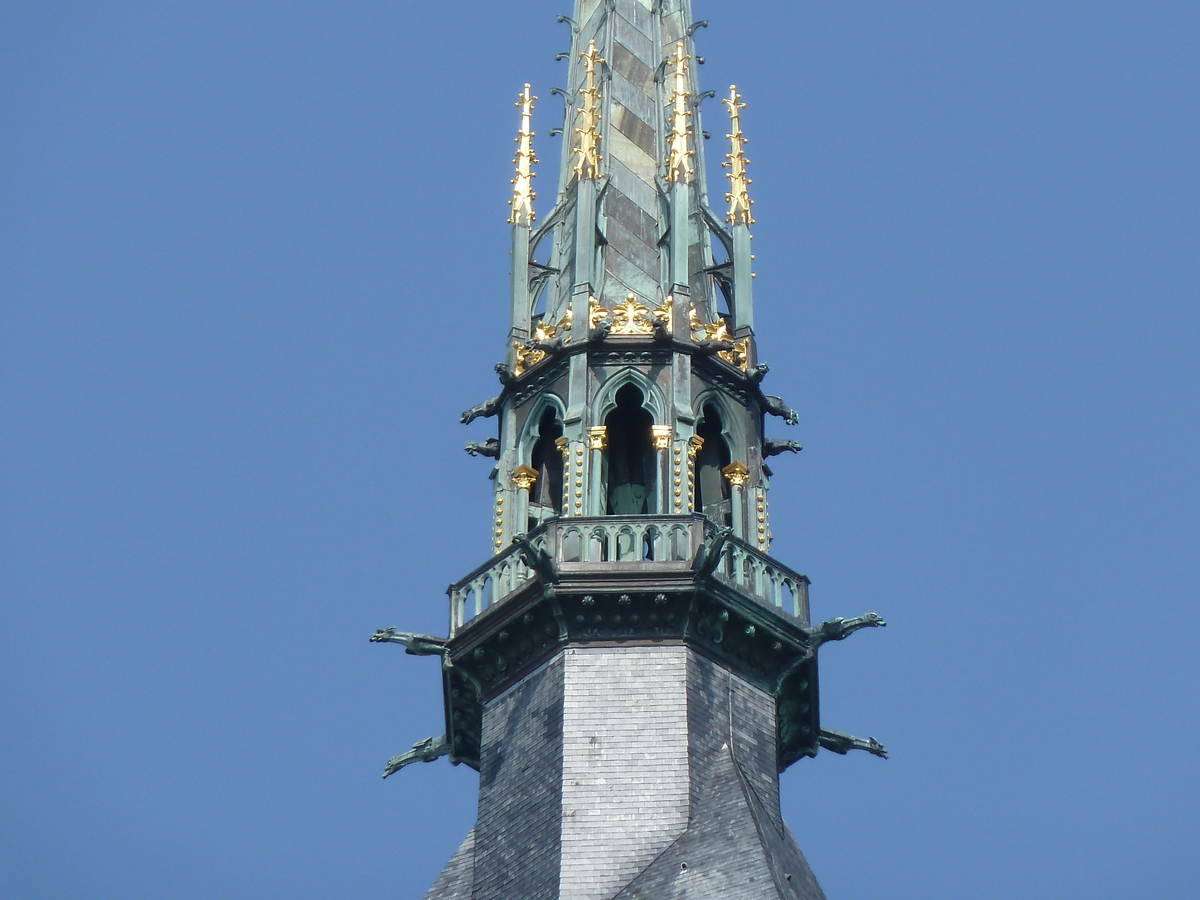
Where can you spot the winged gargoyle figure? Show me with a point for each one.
(538, 560)
(776, 407)
(773, 447)
(708, 557)
(422, 751)
(485, 410)
(842, 743)
(416, 644)
(839, 629)
(490, 447)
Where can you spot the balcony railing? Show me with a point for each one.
(664, 544)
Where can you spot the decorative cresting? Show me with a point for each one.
(587, 129)
(679, 141)
(630, 317)
(737, 353)
(735, 161)
(529, 353)
(521, 204)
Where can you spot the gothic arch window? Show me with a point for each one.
(546, 459)
(712, 488)
(629, 456)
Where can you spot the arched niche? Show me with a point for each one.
(630, 470)
(712, 487)
(539, 450)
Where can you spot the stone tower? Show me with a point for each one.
(630, 670)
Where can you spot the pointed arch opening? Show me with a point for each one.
(546, 459)
(712, 488)
(629, 455)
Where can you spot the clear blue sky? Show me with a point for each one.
(252, 265)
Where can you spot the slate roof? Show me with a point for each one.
(732, 850)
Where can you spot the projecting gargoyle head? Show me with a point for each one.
(383, 634)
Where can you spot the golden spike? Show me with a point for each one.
(679, 150)
(735, 162)
(521, 204)
(587, 150)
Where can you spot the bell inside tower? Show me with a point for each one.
(547, 461)
(712, 488)
(629, 456)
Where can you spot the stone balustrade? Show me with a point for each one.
(615, 545)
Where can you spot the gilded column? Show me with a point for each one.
(671, 489)
(762, 521)
(695, 442)
(597, 440)
(736, 472)
(523, 478)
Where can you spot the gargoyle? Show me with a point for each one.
(662, 334)
(538, 560)
(486, 409)
(840, 629)
(708, 557)
(546, 345)
(758, 373)
(844, 743)
(600, 330)
(776, 407)
(490, 447)
(773, 447)
(416, 644)
(712, 347)
(505, 374)
(422, 751)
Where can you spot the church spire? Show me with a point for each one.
(629, 665)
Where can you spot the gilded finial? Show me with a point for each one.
(679, 150)
(735, 162)
(587, 149)
(521, 204)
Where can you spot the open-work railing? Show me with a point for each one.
(583, 546)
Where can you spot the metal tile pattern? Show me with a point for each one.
(520, 789)
(457, 879)
(625, 764)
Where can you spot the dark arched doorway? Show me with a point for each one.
(629, 456)
(712, 488)
(545, 499)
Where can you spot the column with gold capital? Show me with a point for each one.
(737, 473)
(523, 478)
(597, 440)
(671, 486)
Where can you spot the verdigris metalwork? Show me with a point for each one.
(838, 742)
(630, 668)
(416, 644)
(422, 751)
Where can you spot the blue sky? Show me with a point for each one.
(253, 263)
